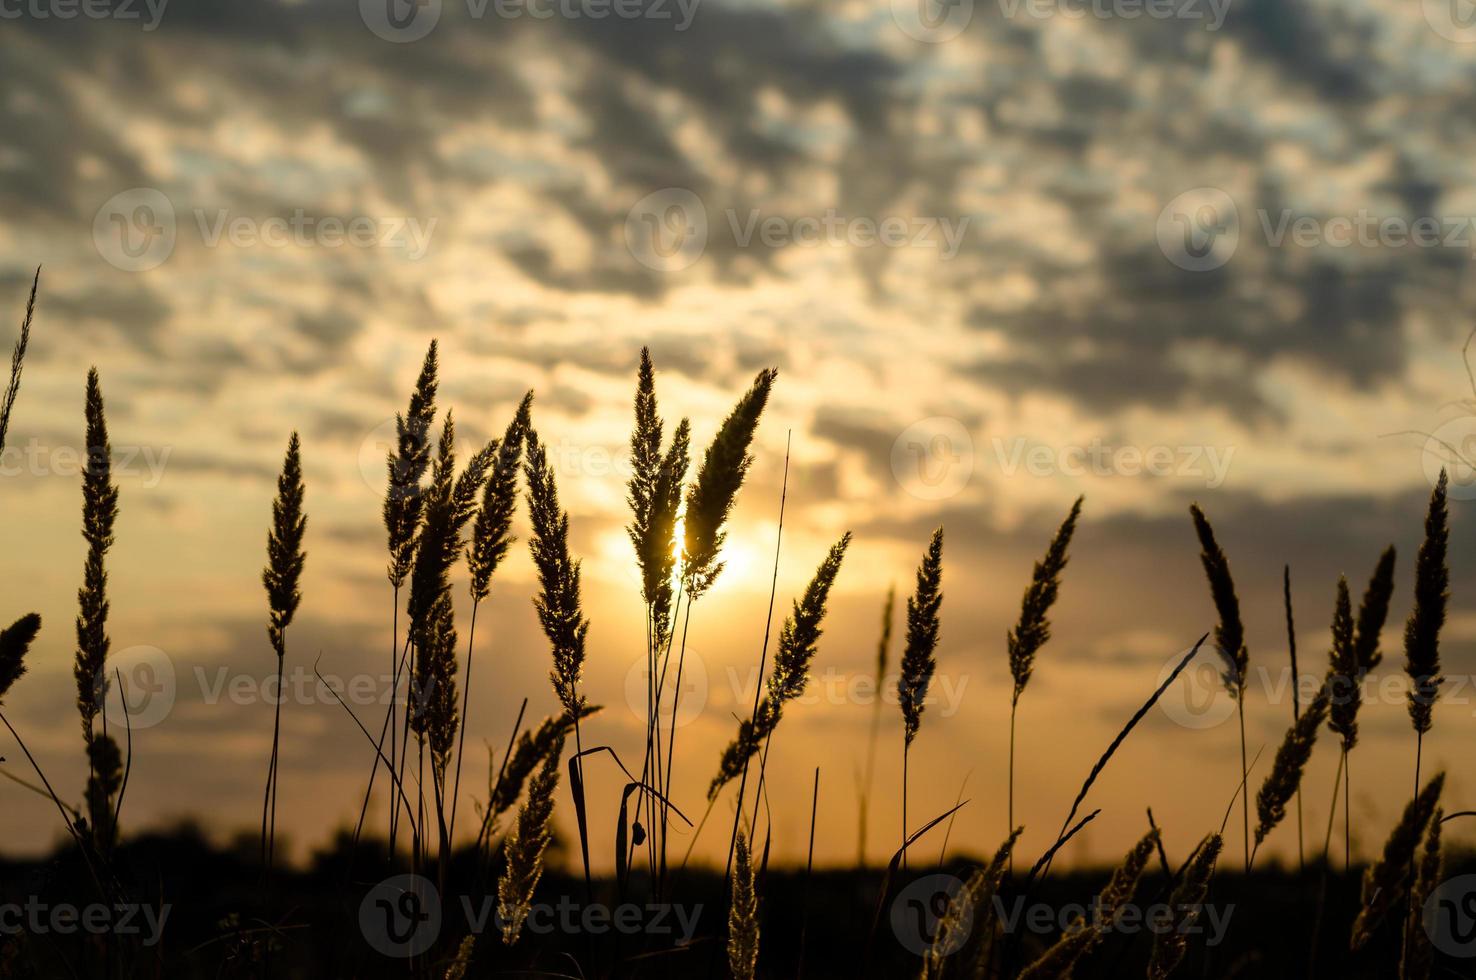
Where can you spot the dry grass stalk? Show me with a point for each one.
(17, 361)
(1229, 639)
(1285, 777)
(883, 648)
(1034, 627)
(1186, 901)
(918, 660)
(525, 846)
(715, 489)
(743, 915)
(462, 962)
(1387, 881)
(1081, 937)
(280, 578)
(15, 641)
(99, 511)
(970, 909)
(558, 602)
(407, 464)
(798, 640)
(1419, 952)
(532, 749)
(1422, 631)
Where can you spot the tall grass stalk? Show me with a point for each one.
(918, 660)
(1034, 627)
(1229, 640)
(883, 648)
(280, 578)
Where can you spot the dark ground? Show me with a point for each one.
(323, 922)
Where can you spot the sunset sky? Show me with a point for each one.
(958, 232)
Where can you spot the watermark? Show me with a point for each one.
(147, 13)
(402, 917)
(1210, 13)
(36, 917)
(137, 230)
(1201, 230)
(1202, 698)
(1450, 917)
(932, 21)
(1452, 447)
(1130, 918)
(919, 909)
(669, 230)
(935, 458)
(36, 458)
(680, 685)
(404, 21)
(1454, 20)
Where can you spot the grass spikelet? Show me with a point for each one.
(558, 602)
(1229, 640)
(15, 640)
(1387, 881)
(918, 661)
(743, 916)
(1422, 631)
(491, 531)
(1081, 937)
(1285, 777)
(798, 638)
(462, 962)
(715, 489)
(970, 909)
(1419, 952)
(1034, 628)
(17, 361)
(285, 560)
(99, 511)
(1187, 902)
(407, 465)
(532, 749)
(525, 846)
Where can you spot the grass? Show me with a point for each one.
(449, 518)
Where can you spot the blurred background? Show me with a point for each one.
(1003, 253)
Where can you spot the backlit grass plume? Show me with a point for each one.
(1229, 640)
(1291, 761)
(1419, 955)
(525, 846)
(918, 661)
(285, 560)
(798, 638)
(99, 511)
(1387, 881)
(655, 496)
(743, 915)
(1422, 631)
(1186, 902)
(1355, 651)
(531, 750)
(1081, 936)
(1034, 628)
(712, 494)
(407, 464)
(558, 601)
(971, 910)
(15, 641)
(17, 361)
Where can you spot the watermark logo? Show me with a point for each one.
(150, 12)
(1452, 447)
(919, 909)
(1211, 13)
(135, 230)
(400, 21)
(38, 918)
(1450, 916)
(1454, 20)
(1198, 699)
(682, 701)
(933, 458)
(148, 687)
(401, 916)
(932, 21)
(667, 230)
(1199, 230)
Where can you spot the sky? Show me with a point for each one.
(1002, 252)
